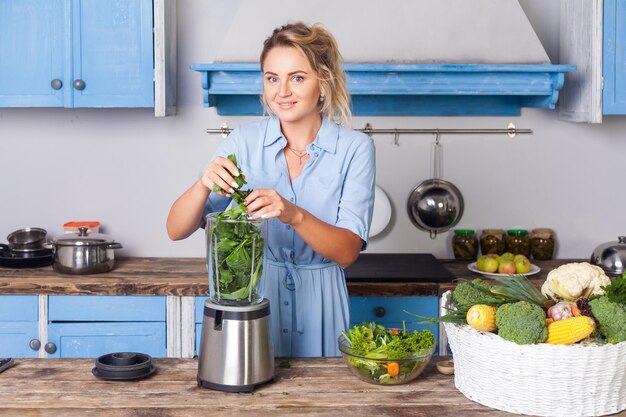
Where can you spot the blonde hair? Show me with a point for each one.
(320, 49)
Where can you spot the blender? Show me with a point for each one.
(236, 352)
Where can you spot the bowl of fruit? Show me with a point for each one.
(386, 356)
(493, 265)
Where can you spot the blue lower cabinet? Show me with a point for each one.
(390, 311)
(91, 326)
(18, 325)
(199, 314)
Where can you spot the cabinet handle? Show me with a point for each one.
(79, 85)
(380, 311)
(50, 347)
(34, 344)
(56, 84)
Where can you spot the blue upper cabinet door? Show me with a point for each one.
(112, 53)
(32, 53)
(614, 58)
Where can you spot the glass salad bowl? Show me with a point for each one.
(377, 368)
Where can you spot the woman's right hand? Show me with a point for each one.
(220, 172)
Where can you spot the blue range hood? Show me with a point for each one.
(404, 89)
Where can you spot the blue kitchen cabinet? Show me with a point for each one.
(85, 326)
(19, 317)
(76, 53)
(614, 57)
(595, 41)
(390, 311)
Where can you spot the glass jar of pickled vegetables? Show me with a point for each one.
(492, 241)
(464, 244)
(518, 242)
(542, 243)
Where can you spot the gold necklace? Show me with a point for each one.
(300, 155)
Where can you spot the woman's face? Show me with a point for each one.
(290, 87)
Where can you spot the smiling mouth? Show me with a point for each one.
(287, 105)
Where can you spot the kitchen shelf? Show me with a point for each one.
(404, 89)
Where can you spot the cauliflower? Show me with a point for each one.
(575, 280)
(522, 322)
(611, 318)
(466, 294)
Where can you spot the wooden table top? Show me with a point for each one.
(188, 277)
(309, 387)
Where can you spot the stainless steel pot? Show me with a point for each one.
(435, 205)
(83, 253)
(611, 257)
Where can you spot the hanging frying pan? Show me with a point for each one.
(435, 205)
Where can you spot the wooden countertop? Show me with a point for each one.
(188, 277)
(311, 387)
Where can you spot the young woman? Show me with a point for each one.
(313, 179)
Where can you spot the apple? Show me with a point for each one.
(518, 257)
(480, 262)
(506, 267)
(490, 265)
(522, 264)
(506, 256)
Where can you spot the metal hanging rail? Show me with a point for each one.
(511, 131)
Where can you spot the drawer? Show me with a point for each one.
(90, 340)
(96, 308)
(392, 311)
(392, 308)
(19, 308)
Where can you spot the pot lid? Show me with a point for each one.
(611, 256)
(83, 238)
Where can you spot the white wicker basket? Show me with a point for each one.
(542, 379)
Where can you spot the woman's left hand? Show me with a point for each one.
(267, 203)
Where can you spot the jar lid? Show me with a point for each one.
(83, 238)
(517, 232)
(463, 232)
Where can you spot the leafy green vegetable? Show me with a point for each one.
(236, 256)
(378, 350)
(616, 290)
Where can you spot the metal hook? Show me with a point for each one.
(396, 137)
(437, 136)
(224, 130)
(368, 129)
(512, 131)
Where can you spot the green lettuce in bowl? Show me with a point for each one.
(386, 356)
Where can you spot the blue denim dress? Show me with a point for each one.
(307, 292)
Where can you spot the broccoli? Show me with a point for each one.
(611, 318)
(522, 322)
(469, 293)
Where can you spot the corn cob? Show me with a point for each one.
(572, 330)
(482, 317)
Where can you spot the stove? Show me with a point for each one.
(398, 267)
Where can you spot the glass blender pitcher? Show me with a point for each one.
(235, 249)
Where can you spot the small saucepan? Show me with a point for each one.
(435, 205)
(83, 253)
(27, 239)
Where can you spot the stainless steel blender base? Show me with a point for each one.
(236, 351)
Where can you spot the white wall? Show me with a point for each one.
(124, 167)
